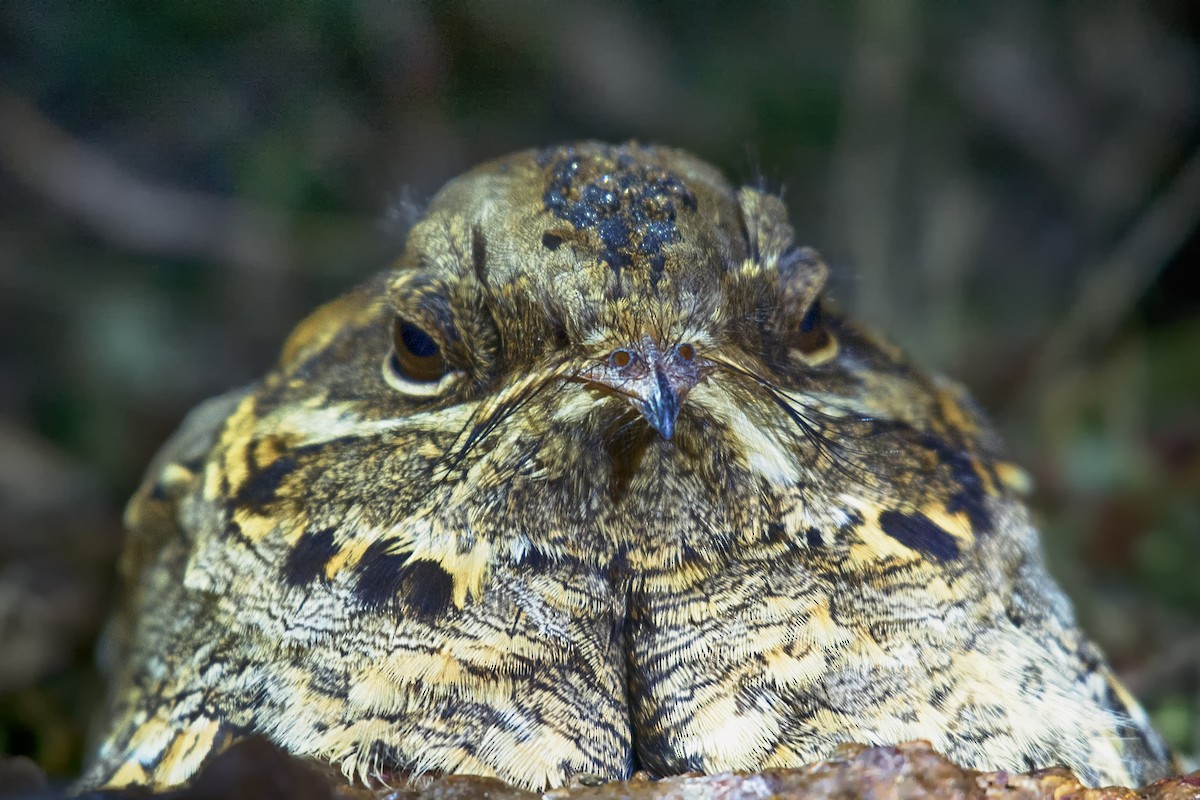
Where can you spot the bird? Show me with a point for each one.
(596, 479)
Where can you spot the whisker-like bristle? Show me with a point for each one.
(486, 419)
(850, 461)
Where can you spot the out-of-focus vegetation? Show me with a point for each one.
(1010, 189)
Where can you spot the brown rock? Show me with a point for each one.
(254, 769)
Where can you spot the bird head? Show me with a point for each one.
(603, 354)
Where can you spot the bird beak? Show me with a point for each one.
(661, 406)
(655, 380)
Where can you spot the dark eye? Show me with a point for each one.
(416, 355)
(812, 319)
(814, 337)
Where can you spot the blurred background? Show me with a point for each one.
(1010, 190)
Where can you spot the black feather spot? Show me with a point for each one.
(385, 578)
(919, 533)
(262, 485)
(971, 497)
(970, 501)
(479, 253)
(551, 241)
(534, 560)
(307, 559)
(631, 205)
(378, 575)
(427, 588)
(813, 537)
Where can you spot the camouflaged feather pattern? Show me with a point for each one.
(653, 507)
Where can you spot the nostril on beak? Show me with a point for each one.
(655, 380)
(621, 358)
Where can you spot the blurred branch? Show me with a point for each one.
(1163, 672)
(1110, 291)
(632, 88)
(868, 155)
(125, 209)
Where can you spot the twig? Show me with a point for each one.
(1164, 670)
(125, 209)
(1110, 291)
(867, 157)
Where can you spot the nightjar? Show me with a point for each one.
(592, 481)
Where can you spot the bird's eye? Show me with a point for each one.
(686, 351)
(416, 353)
(815, 343)
(416, 364)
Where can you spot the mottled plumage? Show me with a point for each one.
(590, 482)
